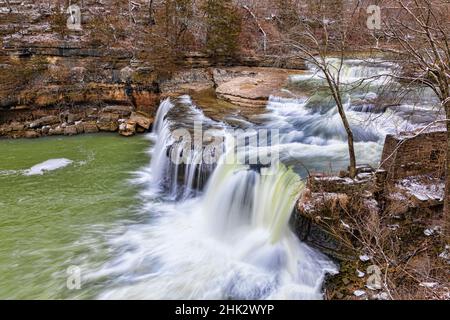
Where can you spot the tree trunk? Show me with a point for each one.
(334, 88)
(350, 140)
(151, 18)
(447, 179)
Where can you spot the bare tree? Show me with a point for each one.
(260, 28)
(316, 37)
(420, 31)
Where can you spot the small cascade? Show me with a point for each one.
(314, 137)
(163, 140)
(177, 165)
(352, 71)
(301, 122)
(375, 71)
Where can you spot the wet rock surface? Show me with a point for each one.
(249, 87)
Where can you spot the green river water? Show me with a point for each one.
(62, 218)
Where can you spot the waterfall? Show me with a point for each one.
(182, 179)
(231, 242)
(163, 139)
(239, 197)
(312, 135)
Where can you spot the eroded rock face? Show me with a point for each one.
(322, 212)
(44, 121)
(123, 111)
(63, 76)
(317, 221)
(187, 80)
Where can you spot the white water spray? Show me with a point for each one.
(234, 242)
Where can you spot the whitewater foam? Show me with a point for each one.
(49, 165)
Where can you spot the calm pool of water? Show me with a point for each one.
(51, 220)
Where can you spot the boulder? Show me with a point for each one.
(108, 122)
(128, 129)
(126, 73)
(90, 127)
(80, 127)
(70, 130)
(31, 134)
(141, 119)
(57, 131)
(45, 130)
(44, 121)
(17, 126)
(72, 118)
(4, 129)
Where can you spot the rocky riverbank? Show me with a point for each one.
(73, 121)
(118, 102)
(385, 227)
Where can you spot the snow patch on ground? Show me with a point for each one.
(423, 188)
(359, 293)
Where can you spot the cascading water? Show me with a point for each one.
(183, 179)
(233, 241)
(313, 135)
(163, 139)
(351, 71)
